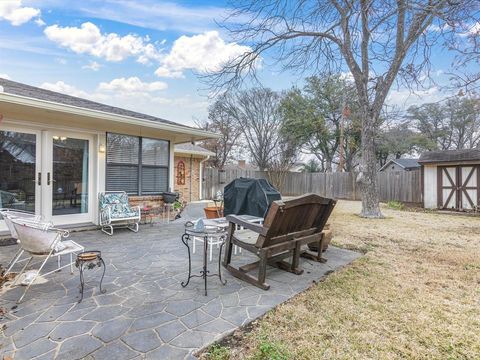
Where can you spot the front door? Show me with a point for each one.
(68, 184)
(458, 187)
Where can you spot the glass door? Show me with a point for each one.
(68, 177)
(20, 179)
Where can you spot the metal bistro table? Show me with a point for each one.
(216, 228)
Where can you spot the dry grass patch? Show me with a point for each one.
(415, 294)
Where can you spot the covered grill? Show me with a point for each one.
(245, 196)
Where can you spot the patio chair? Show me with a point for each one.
(42, 240)
(116, 211)
(7, 215)
(287, 227)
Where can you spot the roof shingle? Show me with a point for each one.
(15, 88)
(450, 156)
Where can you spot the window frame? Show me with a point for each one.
(139, 165)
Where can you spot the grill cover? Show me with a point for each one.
(245, 196)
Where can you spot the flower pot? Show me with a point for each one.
(213, 212)
(169, 197)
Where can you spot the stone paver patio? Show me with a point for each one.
(145, 313)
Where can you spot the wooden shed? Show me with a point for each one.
(451, 179)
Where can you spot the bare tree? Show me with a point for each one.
(380, 42)
(256, 110)
(283, 159)
(220, 120)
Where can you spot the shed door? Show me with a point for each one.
(447, 187)
(468, 187)
(458, 187)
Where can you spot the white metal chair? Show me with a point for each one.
(42, 240)
(7, 215)
(115, 210)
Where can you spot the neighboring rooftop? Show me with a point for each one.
(16, 88)
(407, 164)
(450, 156)
(189, 148)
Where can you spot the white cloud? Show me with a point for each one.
(92, 65)
(132, 84)
(146, 100)
(40, 22)
(203, 53)
(4, 76)
(191, 18)
(13, 12)
(405, 98)
(88, 39)
(64, 88)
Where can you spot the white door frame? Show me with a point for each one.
(38, 164)
(47, 171)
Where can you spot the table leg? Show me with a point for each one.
(185, 238)
(102, 291)
(82, 282)
(205, 251)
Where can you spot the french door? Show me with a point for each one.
(66, 168)
(47, 172)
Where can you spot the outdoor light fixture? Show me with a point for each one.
(55, 137)
(63, 138)
(101, 148)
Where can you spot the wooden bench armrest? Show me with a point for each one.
(257, 228)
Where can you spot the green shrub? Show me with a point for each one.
(218, 352)
(395, 205)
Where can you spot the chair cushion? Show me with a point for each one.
(120, 211)
(246, 236)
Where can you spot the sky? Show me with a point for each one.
(144, 55)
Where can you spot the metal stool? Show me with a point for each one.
(90, 260)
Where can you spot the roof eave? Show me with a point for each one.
(54, 106)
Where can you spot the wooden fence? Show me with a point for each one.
(400, 186)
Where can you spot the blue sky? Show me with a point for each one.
(141, 55)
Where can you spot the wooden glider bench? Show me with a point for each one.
(288, 226)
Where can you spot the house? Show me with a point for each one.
(451, 179)
(57, 152)
(241, 165)
(298, 166)
(189, 161)
(401, 165)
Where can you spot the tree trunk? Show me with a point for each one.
(367, 177)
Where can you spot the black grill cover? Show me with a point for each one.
(245, 196)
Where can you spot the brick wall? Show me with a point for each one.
(195, 173)
(153, 201)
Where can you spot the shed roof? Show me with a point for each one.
(406, 164)
(446, 156)
(16, 88)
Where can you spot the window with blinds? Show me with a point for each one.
(137, 165)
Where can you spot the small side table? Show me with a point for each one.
(90, 260)
(206, 233)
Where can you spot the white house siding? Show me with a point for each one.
(430, 186)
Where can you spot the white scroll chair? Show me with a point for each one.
(42, 240)
(7, 215)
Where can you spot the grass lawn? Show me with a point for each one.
(415, 294)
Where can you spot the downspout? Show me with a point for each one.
(191, 177)
(200, 186)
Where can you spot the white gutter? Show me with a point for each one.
(97, 114)
(194, 152)
(200, 185)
